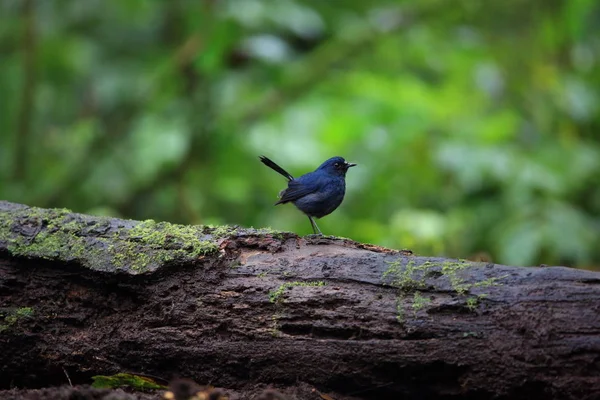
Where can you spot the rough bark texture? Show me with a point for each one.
(243, 309)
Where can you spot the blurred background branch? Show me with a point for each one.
(474, 124)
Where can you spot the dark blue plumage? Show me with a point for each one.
(317, 193)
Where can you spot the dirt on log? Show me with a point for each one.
(245, 309)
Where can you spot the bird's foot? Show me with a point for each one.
(315, 235)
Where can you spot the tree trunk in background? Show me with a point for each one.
(243, 308)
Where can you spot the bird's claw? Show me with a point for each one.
(315, 235)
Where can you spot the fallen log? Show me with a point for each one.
(244, 308)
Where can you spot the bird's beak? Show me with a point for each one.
(350, 164)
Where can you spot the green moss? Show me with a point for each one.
(472, 303)
(45, 243)
(95, 242)
(274, 329)
(269, 231)
(125, 380)
(106, 244)
(24, 312)
(59, 234)
(12, 317)
(151, 244)
(408, 278)
(450, 270)
(399, 310)
(275, 295)
(419, 302)
(221, 231)
(411, 277)
(229, 230)
(278, 235)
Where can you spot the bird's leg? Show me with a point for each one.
(314, 226)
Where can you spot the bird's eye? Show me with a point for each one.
(337, 164)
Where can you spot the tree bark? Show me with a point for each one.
(245, 308)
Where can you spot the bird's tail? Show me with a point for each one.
(276, 167)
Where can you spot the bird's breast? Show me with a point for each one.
(322, 202)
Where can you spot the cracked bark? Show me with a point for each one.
(261, 308)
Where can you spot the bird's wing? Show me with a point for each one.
(301, 187)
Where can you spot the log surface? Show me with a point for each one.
(245, 307)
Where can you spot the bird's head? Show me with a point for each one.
(336, 166)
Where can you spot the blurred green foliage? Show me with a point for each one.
(475, 123)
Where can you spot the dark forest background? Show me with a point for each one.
(475, 123)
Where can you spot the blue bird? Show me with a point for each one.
(317, 193)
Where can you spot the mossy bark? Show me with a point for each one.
(241, 308)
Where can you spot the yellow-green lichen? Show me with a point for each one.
(275, 295)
